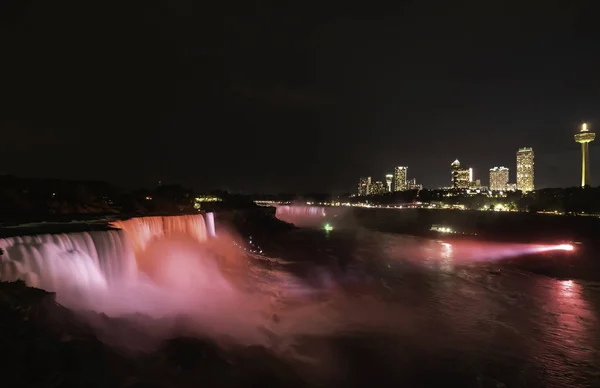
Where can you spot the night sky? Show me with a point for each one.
(296, 98)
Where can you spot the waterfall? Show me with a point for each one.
(51, 261)
(92, 259)
(210, 224)
(143, 230)
(302, 216)
(306, 211)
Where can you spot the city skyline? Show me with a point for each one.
(461, 178)
(525, 169)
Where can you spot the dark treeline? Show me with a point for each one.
(22, 197)
(38, 199)
(19, 196)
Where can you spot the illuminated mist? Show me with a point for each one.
(176, 270)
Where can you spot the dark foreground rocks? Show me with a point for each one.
(43, 344)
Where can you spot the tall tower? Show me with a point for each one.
(525, 169)
(388, 181)
(455, 166)
(585, 137)
(461, 177)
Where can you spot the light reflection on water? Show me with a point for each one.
(460, 301)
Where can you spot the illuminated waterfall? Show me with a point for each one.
(92, 259)
(210, 224)
(143, 230)
(306, 211)
(301, 216)
(50, 261)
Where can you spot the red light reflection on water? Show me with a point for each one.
(556, 247)
(567, 332)
(464, 252)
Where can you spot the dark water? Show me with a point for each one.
(419, 312)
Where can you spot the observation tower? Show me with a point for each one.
(585, 137)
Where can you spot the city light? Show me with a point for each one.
(441, 229)
(389, 178)
(500, 208)
(499, 178)
(461, 177)
(400, 178)
(525, 169)
(328, 228)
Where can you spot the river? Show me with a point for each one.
(409, 311)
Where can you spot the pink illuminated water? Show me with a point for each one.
(426, 308)
(90, 259)
(162, 267)
(300, 210)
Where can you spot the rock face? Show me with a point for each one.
(47, 345)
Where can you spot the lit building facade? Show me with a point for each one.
(499, 178)
(412, 185)
(389, 178)
(525, 169)
(400, 183)
(364, 186)
(461, 178)
(475, 183)
(378, 188)
(585, 137)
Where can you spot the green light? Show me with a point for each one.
(328, 227)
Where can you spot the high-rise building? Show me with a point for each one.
(585, 137)
(475, 184)
(378, 188)
(389, 178)
(461, 178)
(400, 178)
(498, 178)
(525, 169)
(412, 185)
(364, 186)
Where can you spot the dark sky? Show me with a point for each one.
(301, 97)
